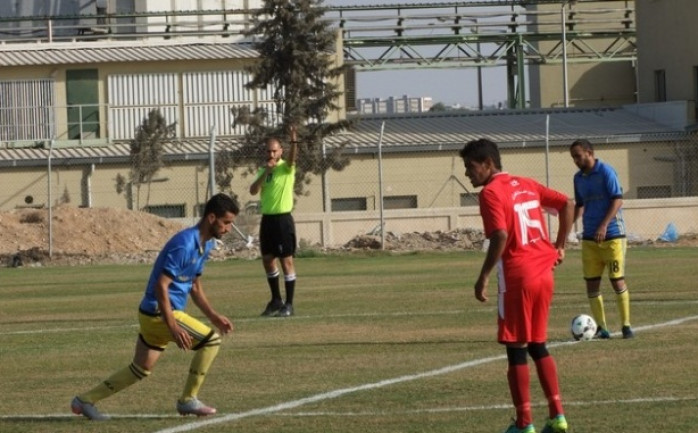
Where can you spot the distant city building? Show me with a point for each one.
(404, 104)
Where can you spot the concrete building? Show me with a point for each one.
(571, 79)
(85, 92)
(394, 105)
(668, 55)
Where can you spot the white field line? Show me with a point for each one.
(274, 410)
(501, 406)
(299, 317)
(484, 408)
(269, 410)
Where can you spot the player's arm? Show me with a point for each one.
(613, 208)
(579, 203)
(201, 301)
(180, 336)
(615, 192)
(578, 211)
(566, 217)
(257, 184)
(498, 241)
(293, 152)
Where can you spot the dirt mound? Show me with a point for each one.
(463, 239)
(82, 235)
(105, 235)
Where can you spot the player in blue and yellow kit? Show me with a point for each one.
(176, 276)
(598, 199)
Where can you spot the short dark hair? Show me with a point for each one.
(584, 144)
(221, 203)
(480, 150)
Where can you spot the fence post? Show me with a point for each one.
(380, 185)
(50, 203)
(212, 161)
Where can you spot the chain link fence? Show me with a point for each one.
(381, 191)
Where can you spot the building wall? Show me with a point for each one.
(645, 220)
(185, 92)
(596, 84)
(666, 41)
(435, 179)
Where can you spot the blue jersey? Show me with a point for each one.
(182, 259)
(595, 191)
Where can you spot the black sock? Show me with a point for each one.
(273, 280)
(290, 289)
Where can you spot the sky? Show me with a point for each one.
(449, 86)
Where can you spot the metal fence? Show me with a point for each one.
(399, 192)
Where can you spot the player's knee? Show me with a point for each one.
(619, 286)
(538, 351)
(516, 355)
(212, 340)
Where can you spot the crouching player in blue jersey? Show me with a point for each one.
(175, 277)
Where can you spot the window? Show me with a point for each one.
(657, 191)
(82, 93)
(348, 204)
(167, 210)
(660, 85)
(469, 199)
(26, 110)
(400, 202)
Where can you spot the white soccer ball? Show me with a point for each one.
(583, 327)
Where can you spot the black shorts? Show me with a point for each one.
(277, 235)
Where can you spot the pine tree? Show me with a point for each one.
(295, 46)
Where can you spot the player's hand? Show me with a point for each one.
(560, 256)
(223, 324)
(293, 133)
(481, 289)
(181, 338)
(600, 234)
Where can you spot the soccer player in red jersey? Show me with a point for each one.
(512, 210)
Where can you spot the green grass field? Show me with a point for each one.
(379, 343)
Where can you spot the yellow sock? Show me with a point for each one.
(597, 310)
(116, 382)
(199, 367)
(623, 304)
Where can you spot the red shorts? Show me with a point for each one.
(523, 307)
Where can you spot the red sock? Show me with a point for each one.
(519, 379)
(547, 375)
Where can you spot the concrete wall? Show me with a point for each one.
(645, 220)
(436, 179)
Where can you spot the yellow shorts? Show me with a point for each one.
(156, 334)
(596, 257)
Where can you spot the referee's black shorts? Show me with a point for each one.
(277, 235)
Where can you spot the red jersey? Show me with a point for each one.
(515, 204)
